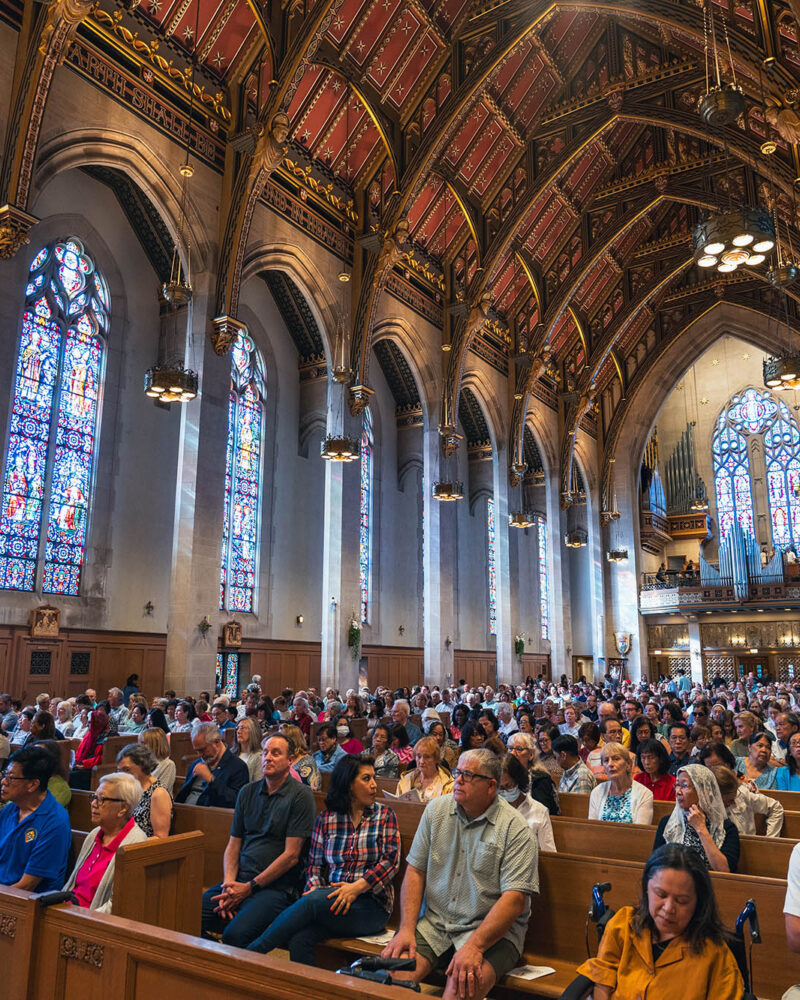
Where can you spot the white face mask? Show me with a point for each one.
(341, 731)
(509, 794)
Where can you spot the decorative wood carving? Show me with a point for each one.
(8, 926)
(82, 951)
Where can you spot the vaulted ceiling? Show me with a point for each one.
(550, 153)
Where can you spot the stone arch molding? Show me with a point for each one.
(291, 260)
(84, 147)
(648, 396)
(415, 351)
(486, 396)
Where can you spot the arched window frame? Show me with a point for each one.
(51, 447)
(244, 451)
(365, 516)
(749, 413)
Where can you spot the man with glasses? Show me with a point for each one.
(35, 835)
(216, 777)
(474, 862)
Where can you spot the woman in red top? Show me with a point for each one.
(653, 761)
(90, 751)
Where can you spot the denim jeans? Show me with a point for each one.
(253, 916)
(309, 921)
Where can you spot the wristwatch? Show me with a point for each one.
(254, 886)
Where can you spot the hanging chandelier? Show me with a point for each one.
(617, 555)
(576, 539)
(722, 103)
(727, 240)
(521, 519)
(448, 491)
(171, 383)
(339, 449)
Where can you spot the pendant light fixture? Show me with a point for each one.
(169, 381)
(742, 234)
(338, 446)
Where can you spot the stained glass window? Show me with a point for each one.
(49, 462)
(544, 592)
(227, 681)
(365, 515)
(749, 413)
(492, 566)
(241, 505)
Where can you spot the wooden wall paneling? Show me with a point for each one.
(283, 664)
(475, 667)
(394, 666)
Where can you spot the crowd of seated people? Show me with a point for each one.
(711, 751)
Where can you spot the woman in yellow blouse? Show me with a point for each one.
(429, 777)
(670, 947)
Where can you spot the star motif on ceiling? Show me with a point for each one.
(328, 151)
(679, 386)
(400, 88)
(306, 135)
(188, 33)
(406, 28)
(380, 68)
(715, 362)
(704, 400)
(360, 47)
(155, 6)
(456, 149)
(337, 85)
(745, 356)
(424, 50)
(218, 59)
(386, 4)
(338, 23)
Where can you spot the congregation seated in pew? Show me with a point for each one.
(676, 921)
(620, 799)
(473, 862)
(90, 750)
(514, 786)
(35, 835)
(216, 776)
(742, 802)
(165, 772)
(699, 820)
(353, 859)
(113, 805)
(153, 812)
(262, 869)
(429, 778)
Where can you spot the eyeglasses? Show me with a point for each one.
(15, 777)
(469, 776)
(100, 799)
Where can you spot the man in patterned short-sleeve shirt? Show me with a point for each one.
(474, 861)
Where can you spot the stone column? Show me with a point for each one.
(695, 652)
(597, 558)
(341, 593)
(558, 577)
(509, 668)
(622, 598)
(191, 655)
(440, 564)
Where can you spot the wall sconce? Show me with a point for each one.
(753, 650)
(299, 620)
(656, 652)
(402, 629)
(149, 607)
(205, 624)
(448, 642)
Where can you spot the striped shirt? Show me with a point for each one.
(342, 852)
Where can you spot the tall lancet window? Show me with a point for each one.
(757, 413)
(544, 590)
(492, 564)
(52, 441)
(365, 517)
(242, 504)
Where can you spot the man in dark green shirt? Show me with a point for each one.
(262, 867)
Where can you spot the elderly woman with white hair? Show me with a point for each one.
(699, 820)
(505, 716)
(113, 805)
(66, 723)
(620, 799)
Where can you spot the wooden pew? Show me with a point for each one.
(181, 751)
(215, 825)
(74, 950)
(577, 804)
(113, 745)
(789, 800)
(630, 842)
(160, 882)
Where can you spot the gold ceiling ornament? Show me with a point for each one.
(15, 227)
(225, 330)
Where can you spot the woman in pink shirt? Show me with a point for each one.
(92, 878)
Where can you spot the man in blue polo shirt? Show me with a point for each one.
(35, 835)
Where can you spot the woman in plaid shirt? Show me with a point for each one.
(354, 857)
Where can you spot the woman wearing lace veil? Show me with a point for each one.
(699, 821)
